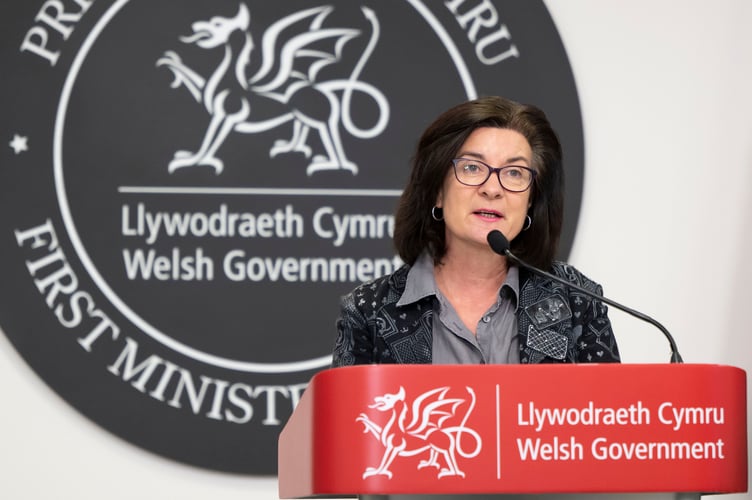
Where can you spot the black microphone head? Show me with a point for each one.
(498, 242)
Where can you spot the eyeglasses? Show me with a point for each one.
(475, 173)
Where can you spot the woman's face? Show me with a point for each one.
(471, 212)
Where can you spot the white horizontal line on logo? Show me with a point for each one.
(258, 191)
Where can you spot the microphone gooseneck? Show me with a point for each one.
(499, 244)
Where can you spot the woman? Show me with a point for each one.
(485, 164)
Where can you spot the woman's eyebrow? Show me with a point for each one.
(481, 157)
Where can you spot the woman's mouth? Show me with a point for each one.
(489, 214)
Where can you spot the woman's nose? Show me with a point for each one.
(492, 186)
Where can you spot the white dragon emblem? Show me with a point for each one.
(423, 427)
(293, 52)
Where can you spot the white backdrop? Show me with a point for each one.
(665, 92)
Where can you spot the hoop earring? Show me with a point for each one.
(438, 218)
(528, 223)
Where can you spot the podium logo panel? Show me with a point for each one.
(516, 428)
(187, 192)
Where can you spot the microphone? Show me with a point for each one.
(500, 245)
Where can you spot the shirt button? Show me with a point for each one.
(486, 319)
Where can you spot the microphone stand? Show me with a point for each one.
(502, 248)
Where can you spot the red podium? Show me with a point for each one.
(394, 430)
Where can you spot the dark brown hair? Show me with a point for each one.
(415, 230)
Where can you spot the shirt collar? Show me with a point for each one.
(421, 282)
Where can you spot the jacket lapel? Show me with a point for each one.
(544, 317)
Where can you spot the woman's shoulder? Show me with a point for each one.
(387, 288)
(573, 275)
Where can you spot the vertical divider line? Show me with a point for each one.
(498, 433)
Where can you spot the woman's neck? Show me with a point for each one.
(482, 272)
(471, 283)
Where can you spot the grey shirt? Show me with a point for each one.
(495, 341)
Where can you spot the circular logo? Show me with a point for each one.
(187, 192)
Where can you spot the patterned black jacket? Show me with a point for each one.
(555, 324)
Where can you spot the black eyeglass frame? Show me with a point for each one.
(497, 171)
